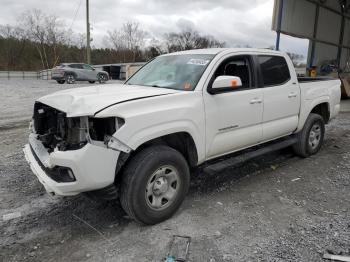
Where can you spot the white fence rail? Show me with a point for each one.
(45, 74)
(19, 75)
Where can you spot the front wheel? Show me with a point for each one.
(310, 138)
(155, 183)
(91, 82)
(60, 81)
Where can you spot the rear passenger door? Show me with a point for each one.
(281, 96)
(78, 70)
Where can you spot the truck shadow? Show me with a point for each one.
(105, 214)
(208, 182)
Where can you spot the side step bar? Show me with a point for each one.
(243, 157)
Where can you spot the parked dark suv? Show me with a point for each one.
(71, 72)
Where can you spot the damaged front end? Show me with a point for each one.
(72, 155)
(56, 131)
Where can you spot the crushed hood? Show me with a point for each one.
(86, 101)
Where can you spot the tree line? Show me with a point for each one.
(40, 41)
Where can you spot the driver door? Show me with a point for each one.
(233, 117)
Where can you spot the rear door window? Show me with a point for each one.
(87, 67)
(274, 70)
(77, 66)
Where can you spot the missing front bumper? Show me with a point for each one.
(93, 168)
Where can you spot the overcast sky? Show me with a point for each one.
(237, 22)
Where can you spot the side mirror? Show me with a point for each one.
(93, 69)
(226, 83)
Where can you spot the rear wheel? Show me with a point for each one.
(102, 78)
(310, 139)
(70, 78)
(91, 82)
(60, 81)
(154, 185)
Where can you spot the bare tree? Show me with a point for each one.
(15, 45)
(297, 59)
(33, 23)
(190, 39)
(116, 39)
(48, 32)
(129, 39)
(134, 35)
(155, 48)
(78, 40)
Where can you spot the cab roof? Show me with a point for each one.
(215, 51)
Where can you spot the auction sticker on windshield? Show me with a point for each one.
(200, 62)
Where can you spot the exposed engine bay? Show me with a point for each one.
(57, 131)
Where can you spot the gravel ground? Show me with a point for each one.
(276, 208)
(18, 96)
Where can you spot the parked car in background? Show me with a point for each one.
(71, 72)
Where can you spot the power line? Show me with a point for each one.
(75, 15)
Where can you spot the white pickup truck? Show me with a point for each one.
(139, 140)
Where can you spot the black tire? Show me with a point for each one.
(138, 176)
(60, 81)
(70, 78)
(92, 82)
(304, 147)
(102, 78)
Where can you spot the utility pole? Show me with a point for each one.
(88, 39)
(279, 25)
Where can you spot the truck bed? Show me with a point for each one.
(316, 91)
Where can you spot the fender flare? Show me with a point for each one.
(153, 132)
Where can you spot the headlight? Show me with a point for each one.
(100, 128)
(101, 131)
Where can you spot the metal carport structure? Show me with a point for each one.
(326, 23)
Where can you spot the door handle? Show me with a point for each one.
(256, 101)
(292, 95)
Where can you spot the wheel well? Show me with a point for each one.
(181, 141)
(70, 73)
(322, 110)
(102, 73)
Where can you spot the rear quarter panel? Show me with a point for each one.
(318, 92)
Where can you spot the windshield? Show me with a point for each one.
(180, 72)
